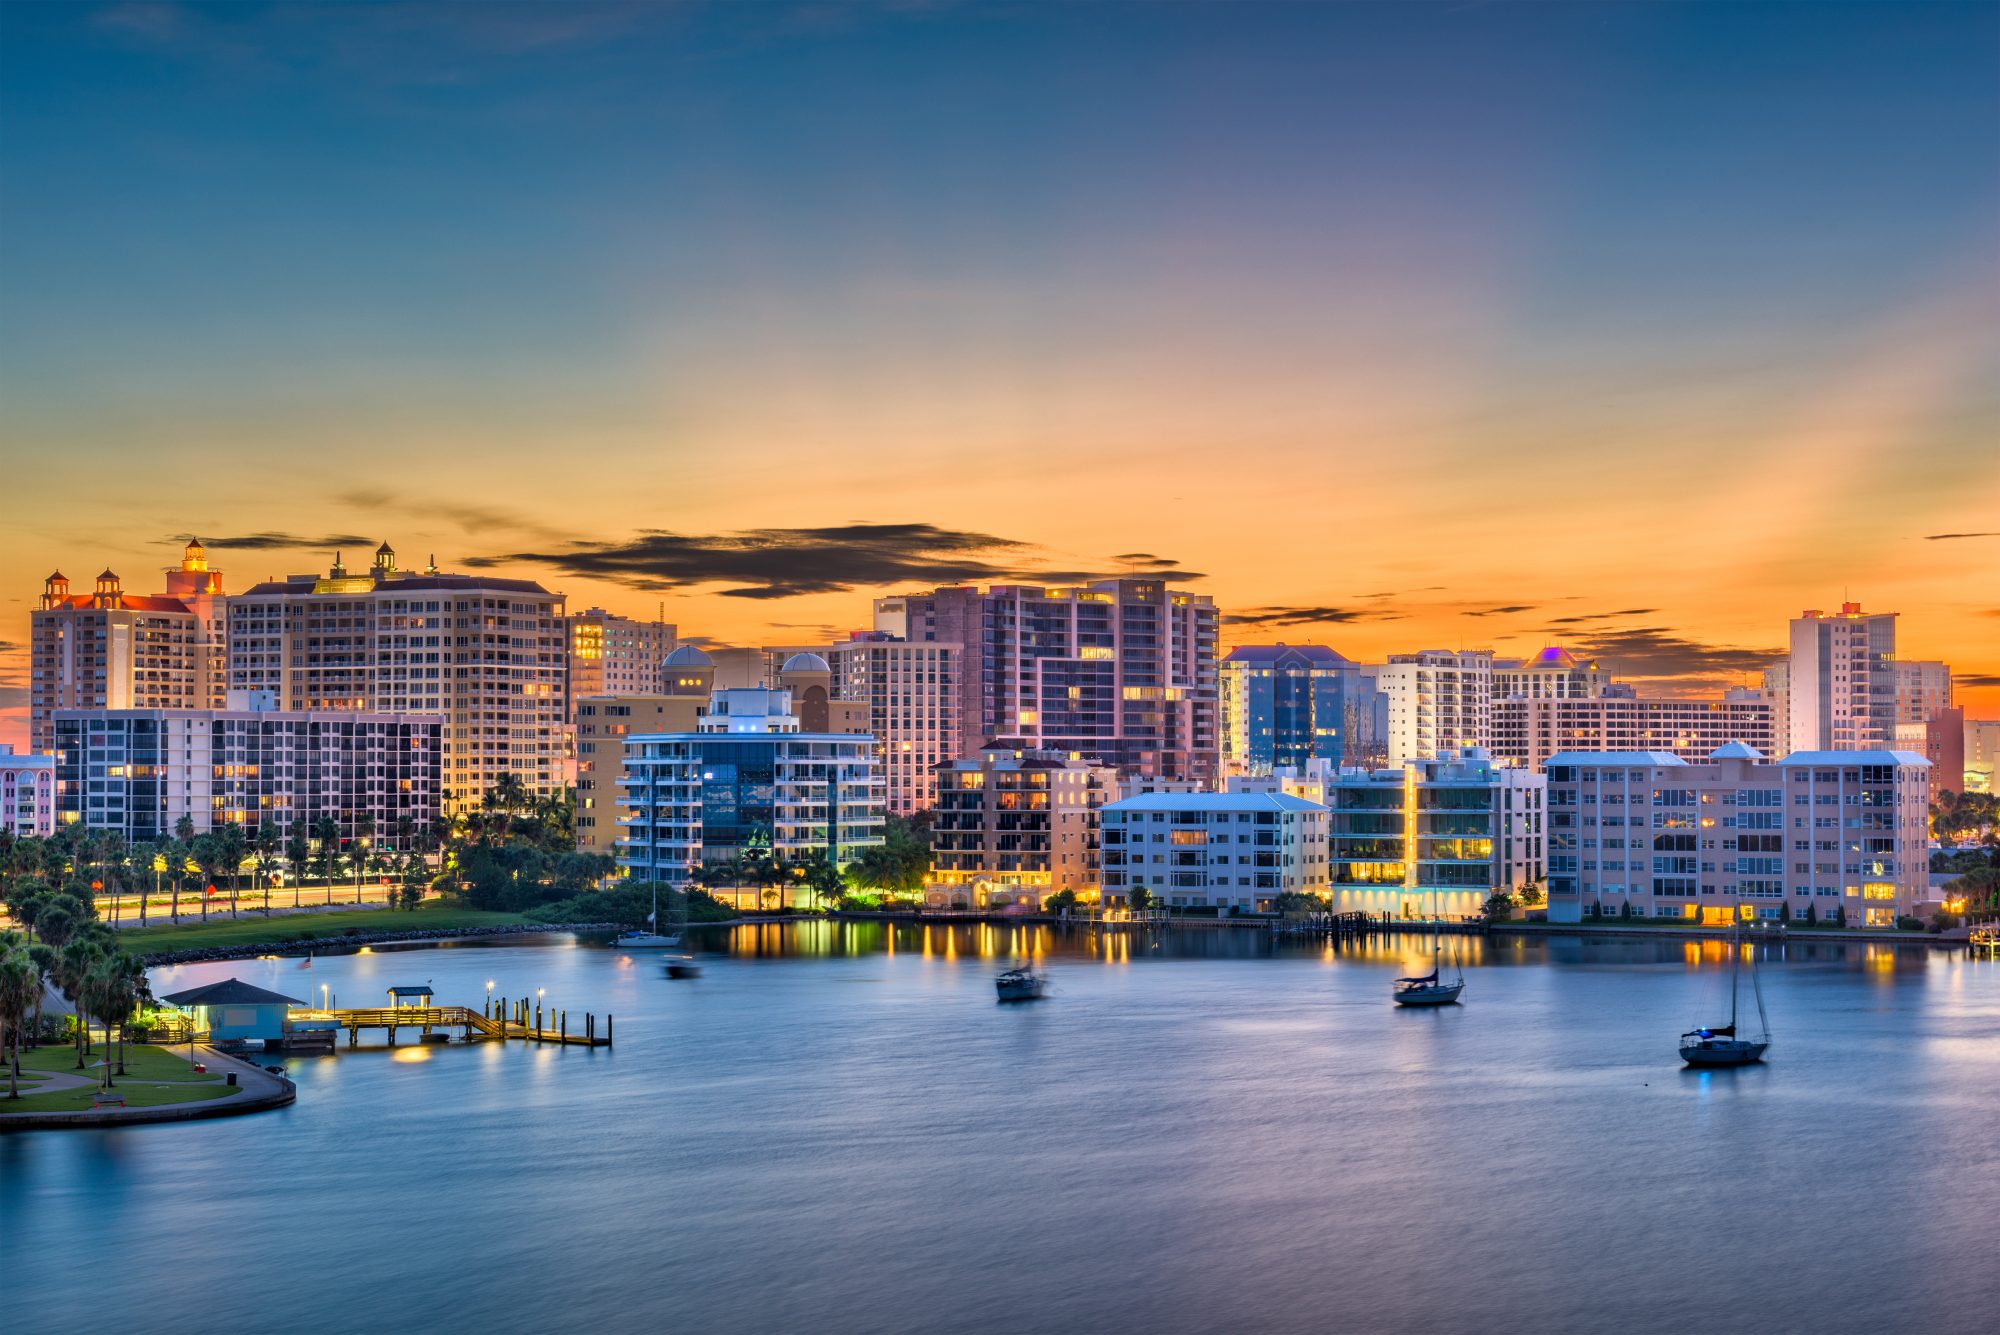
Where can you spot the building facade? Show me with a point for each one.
(1434, 838)
(1982, 755)
(1012, 827)
(746, 781)
(139, 771)
(1288, 705)
(487, 655)
(1825, 836)
(911, 692)
(1233, 852)
(614, 655)
(1438, 701)
(108, 649)
(603, 722)
(27, 794)
(1841, 681)
(1122, 669)
(1553, 674)
(1526, 732)
(1923, 687)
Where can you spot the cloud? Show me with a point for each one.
(1655, 651)
(1585, 618)
(13, 697)
(1502, 611)
(1977, 678)
(1305, 616)
(469, 517)
(786, 562)
(264, 542)
(1947, 537)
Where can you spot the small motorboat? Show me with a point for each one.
(683, 966)
(1025, 983)
(1429, 990)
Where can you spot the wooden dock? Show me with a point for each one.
(512, 1020)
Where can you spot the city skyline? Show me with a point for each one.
(1510, 327)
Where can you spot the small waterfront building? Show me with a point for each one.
(27, 794)
(1228, 851)
(1822, 836)
(1433, 837)
(747, 780)
(233, 1011)
(1015, 825)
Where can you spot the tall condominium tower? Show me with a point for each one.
(1553, 674)
(1123, 670)
(486, 654)
(108, 649)
(1289, 704)
(1439, 701)
(614, 655)
(911, 691)
(1841, 681)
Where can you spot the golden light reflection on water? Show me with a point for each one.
(420, 1053)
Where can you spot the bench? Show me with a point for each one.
(107, 1101)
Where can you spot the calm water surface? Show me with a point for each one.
(837, 1130)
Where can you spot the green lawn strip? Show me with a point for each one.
(330, 927)
(135, 1094)
(142, 1062)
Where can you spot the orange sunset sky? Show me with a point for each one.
(1590, 326)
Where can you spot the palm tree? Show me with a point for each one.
(72, 974)
(298, 852)
(326, 832)
(142, 862)
(265, 845)
(235, 846)
(207, 853)
(20, 987)
(364, 829)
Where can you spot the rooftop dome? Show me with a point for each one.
(688, 656)
(805, 663)
(1736, 751)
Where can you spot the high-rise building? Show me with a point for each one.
(1553, 674)
(108, 649)
(614, 655)
(487, 655)
(1123, 669)
(1438, 701)
(1923, 687)
(1842, 680)
(1822, 835)
(1013, 827)
(1232, 852)
(139, 771)
(809, 678)
(1433, 837)
(911, 692)
(1286, 705)
(1527, 732)
(746, 780)
(1940, 739)
(1982, 755)
(27, 793)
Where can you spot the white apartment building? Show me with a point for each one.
(1433, 838)
(1923, 688)
(911, 690)
(746, 780)
(139, 771)
(1438, 701)
(27, 794)
(487, 655)
(1841, 681)
(1825, 836)
(1527, 732)
(1228, 851)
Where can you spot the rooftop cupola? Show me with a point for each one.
(55, 590)
(194, 556)
(385, 560)
(108, 593)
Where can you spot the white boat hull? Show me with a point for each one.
(1433, 994)
(1723, 1052)
(646, 941)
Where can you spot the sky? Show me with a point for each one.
(1637, 328)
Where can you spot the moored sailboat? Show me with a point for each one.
(1721, 1045)
(1433, 988)
(649, 939)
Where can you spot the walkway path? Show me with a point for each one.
(256, 1089)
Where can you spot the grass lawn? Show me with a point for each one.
(256, 929)
(135, 1093)
(143, 1061)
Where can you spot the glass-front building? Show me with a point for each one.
(1286, 705)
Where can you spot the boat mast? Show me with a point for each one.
(1735, 967)
(1757, 989)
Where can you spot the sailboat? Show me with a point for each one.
(648, 940)
(1721, 1046)
(1433, 988)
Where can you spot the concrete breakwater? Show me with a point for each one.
(339, 942)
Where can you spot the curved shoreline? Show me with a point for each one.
(258, 1091)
